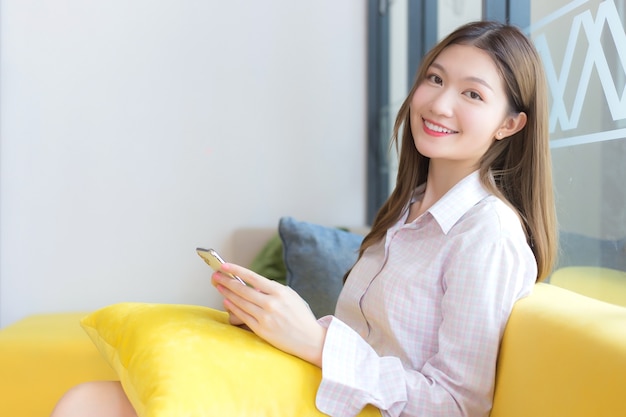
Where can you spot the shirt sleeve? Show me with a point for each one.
(481, 284)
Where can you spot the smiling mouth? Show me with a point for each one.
(437, 128)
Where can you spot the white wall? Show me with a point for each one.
(134, 131)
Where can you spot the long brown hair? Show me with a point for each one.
(517, 170)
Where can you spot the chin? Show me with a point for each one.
(425, 149)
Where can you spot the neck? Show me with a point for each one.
(443, 175)
(441, 178)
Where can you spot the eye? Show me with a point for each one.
(435, 79)
(473, 95)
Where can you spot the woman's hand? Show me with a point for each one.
(273, 311)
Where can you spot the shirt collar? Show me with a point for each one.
(457, 201)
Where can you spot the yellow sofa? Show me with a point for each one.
(41, 357)
(563, 354)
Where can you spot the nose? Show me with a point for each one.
(442, 103)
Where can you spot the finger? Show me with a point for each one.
(219, 277)
(242, 297)
(252, 278)
(228, 287)
(233, 319)
(241, 313)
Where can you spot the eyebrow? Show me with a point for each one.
(471, 78)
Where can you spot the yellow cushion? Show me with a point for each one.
(41, 357)
(562, 354)
(602, 283)
(181, 360)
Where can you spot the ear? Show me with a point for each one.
(512, 125)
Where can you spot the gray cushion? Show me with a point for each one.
(316, 258)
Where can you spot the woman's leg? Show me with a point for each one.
(95, 399)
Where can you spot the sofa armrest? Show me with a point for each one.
(41, 357)
(563, 354)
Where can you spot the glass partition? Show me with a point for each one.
(583, 48)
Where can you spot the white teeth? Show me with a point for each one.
(437, 128)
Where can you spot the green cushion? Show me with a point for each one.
(269, 261)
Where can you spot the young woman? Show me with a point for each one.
(468, 230)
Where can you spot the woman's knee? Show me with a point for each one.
(98, 398)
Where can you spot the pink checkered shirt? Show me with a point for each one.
(419, 321)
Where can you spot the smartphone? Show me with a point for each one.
(214, 260)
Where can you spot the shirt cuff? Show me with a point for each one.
(351, 373)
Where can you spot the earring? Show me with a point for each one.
(499, 134)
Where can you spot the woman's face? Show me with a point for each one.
(460, 107)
